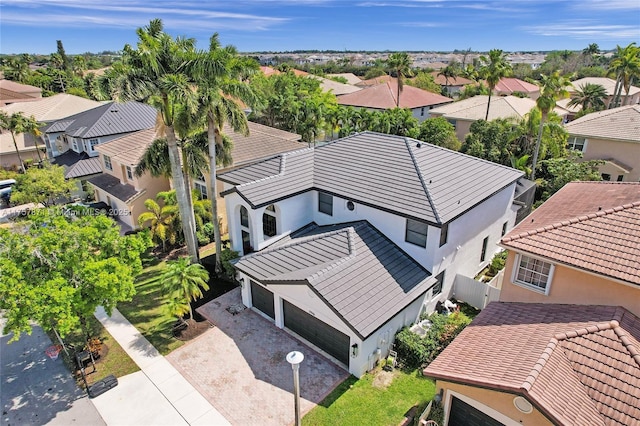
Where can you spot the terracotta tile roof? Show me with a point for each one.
(509, 85)
(19, 87)
(622, 123)
(577, 364)
(456, 81)
(593, 226)
(375, 81)
(475, 108)
(383, 96)
(269, 70)
(609, 85)
(53, 107)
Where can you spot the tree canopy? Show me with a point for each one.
(42, 185)
(57, 270)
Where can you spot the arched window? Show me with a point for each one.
(244, 216)
(269, 222)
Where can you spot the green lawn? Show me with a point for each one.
(360, 402)
(146, 310)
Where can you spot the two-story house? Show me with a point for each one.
(613, 136)
(609, 85)
(562, 346)
(346, 243)
(118, 185)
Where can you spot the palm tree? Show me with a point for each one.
(184, 281)
(493, 68)
(554, 87)
(592, 49)
(161, 222)
(625, 66)
(219, 74)
(16, 124)
(400, 63)
(155, 72)
(590, 97)
(450, 71)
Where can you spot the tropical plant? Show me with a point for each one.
(161, 221)
(184, 281)
(591, 97)
(625, 65)
(494, 67)
(451, 71)
(16, 124)
(400, 64)
(155, 72)
(553, 88)
(557, 172)
(424, 80)
(438, 131)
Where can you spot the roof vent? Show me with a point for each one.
(599, 208)
(418, 145)
(522, 405)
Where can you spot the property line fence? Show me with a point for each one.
(477, 293)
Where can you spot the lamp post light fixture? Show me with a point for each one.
(295, 358)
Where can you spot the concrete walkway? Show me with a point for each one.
(157, 395)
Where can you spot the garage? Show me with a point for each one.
(262, 299)
(322, 335)
(463, 414)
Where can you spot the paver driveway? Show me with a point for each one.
(240, 367)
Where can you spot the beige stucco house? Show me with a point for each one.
(12, 92)
(609, 85)
(612, 135)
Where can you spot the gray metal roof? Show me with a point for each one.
(112, 185)
(83, 168)
(352, 267)
(402, 175)
(109, 119)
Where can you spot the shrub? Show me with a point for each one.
(497, 263)
(226, 257)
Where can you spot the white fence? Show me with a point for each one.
(476, 293)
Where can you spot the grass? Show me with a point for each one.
(115, 361)
(146, 310)
(356, 402)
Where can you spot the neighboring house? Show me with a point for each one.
(384, 96)
(12, 92)
(118, 186)
(612, 135)
(465, 112)
(536, 364)
(609, 85)
(453, 85)
(582, 246)
(261, 143)
(44, 110)
(509, 85)
(385, 78)
(351, 77)
(82, 132)
(356, 238)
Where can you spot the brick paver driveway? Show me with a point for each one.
(240, 367)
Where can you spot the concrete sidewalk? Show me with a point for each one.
(158, 394)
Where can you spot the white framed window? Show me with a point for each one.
(107, 162)
(93, 143)
(74, 144)
(533, 273)
(325, 203)
(129, 173)
(202, 188)
(416, 233)
(577, 143)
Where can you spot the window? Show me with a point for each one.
(350, 206)
(504, 229)
(107, 162)
(74, 145)
(416, 233)
(534, 273)
(437, 288)
(483, 253)
(325, 203)
(93, 143)
(577, 143)
(269, 222)
(606, 176)
(620, 177)
(129, 173)
(422, 112)
(202, 189)
(444, 234)
(244, 216)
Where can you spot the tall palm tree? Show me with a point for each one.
(400, 63)
(155, 72)
(590, 97)
(625, 66)
(220, 75)
(493, 68)
(554, 87)
(450, 71)
(16, 124)
(184, 281)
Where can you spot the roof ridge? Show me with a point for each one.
(422, 182)
(571, 221)
(341, 260)
(539, 365)
(594, 328)
(599, 114)
(623, 335)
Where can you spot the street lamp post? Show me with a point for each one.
(295, 358)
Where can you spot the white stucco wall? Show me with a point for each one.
(120, 209)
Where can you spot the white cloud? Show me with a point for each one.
(608, 5)
(585, 30)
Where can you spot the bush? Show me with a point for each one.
(497, 263)
(416, 351)
(226, 257)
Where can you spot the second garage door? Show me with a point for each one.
(262, 299)
(324, 336)
(463, 414)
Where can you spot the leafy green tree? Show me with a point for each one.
(557, 172)
(42, 185)
(64, 59)
(184, 282)
(591, 97)
(554, 136)
(494, 67)
(491, 140)
(450, 72)
(155, 71)
(438, 131)
(471, 90)
(79, 65)
(57, 270)
(17, 68)
(424, 80)
(553, 87)
(16, 124)
(374, 72)
(625, 66)
(400, 64)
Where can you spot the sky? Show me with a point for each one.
(33, 26)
